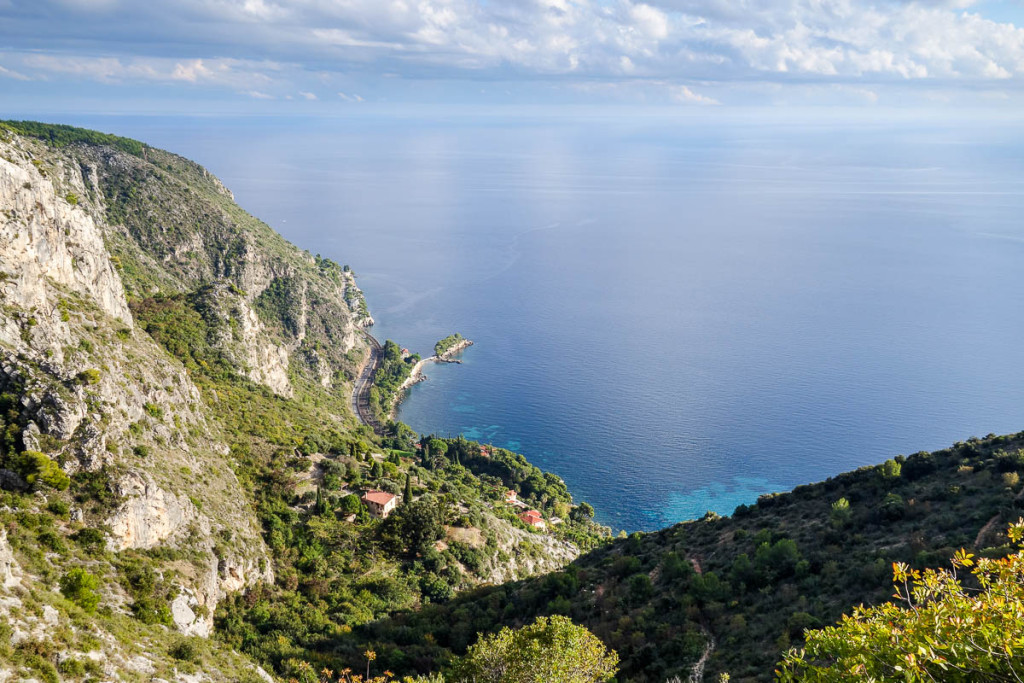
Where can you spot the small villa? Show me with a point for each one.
(533, 518)
(485, 452)
(379, 503)
(510, 496)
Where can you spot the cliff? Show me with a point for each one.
(93, 240)
(175, 384)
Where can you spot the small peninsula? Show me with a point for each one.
(445, 351)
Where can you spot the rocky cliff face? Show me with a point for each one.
(84, 231)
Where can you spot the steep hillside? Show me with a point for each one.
(742, 589)
(175, 430)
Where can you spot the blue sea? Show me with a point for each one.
(675, 314)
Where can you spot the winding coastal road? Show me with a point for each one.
(361, 389)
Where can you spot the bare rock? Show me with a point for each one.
(149, 514)
(10, 570)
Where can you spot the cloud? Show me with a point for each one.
(277, 47)
(350, 98)
(7, 73)
(308, 95)
(683, 95)
(257, 95)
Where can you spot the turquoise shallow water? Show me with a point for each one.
(672, 317)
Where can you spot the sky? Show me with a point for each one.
(324, 56)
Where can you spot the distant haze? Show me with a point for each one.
(672, 316)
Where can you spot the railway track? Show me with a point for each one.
(361, 389)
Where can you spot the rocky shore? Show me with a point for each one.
(417, 375)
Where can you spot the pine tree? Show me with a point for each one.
(321, 507)
(408, 489)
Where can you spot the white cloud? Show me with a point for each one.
(683, 95)
(308, 95)
(7, 73)
(347, 44)
(257, 95)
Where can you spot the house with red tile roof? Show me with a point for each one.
(510, 496)
(533, 518)
(380, 503)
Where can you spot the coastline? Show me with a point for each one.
(417, 376)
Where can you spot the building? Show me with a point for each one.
(510, 496)
(379, 503)
(532, 518)
(485, 452)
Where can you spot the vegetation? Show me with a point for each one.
(60, 136)
(754, 581)
(414, 591)
(944, 630)
(549, 649)
(79, 586)
(445, 345)
(393, 370)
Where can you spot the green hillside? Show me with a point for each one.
(752, 582)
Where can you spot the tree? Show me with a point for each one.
(945, 631)
(840, 514)
(37, 469)
(79, 586)
(549, 649)
(437, 447)
(582, 512)
(322, 507)
(407, 498)
(415, 526)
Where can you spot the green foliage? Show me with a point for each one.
(280, 305)
(753, 581)
(89, 377)
(38, 469)
(840, 513)
(550, 649)
(185, 650)
(943, 630)
(890, 469)
(61, 136)
(91, 539)
(443, 346)
(415, 527)
(389, 376)
(79, 586)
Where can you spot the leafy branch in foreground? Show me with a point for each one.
(944, 630)
(549, 649)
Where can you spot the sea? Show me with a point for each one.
(675, 313)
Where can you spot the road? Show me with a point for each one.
(361, 389)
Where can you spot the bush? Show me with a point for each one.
(92, 540)
(550, 649)
(945, 632)
(79, 586)
(88, 377)
(185, 650)
(37, 469)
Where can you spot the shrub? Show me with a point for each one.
(550, 649)
(92, 540)
(79, 586)
(944, 631)
(37, 469)
(87, 377)
(185, 650)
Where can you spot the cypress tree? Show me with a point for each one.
(408, 489)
